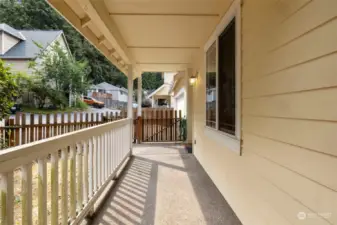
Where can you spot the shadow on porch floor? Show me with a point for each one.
(164, 185)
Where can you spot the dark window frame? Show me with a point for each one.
(227, 79)
(233, 125)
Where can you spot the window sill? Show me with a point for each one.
(223, 139)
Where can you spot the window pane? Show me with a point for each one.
(226, 80)
(211, 86)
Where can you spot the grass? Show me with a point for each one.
(18, 199)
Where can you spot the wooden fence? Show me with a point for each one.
(26, 128)
(159, 125)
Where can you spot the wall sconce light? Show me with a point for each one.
(193, 79)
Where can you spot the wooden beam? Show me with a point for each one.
(85, 21)
(166, 14)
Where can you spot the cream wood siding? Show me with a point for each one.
(19, 65)
(289, 115)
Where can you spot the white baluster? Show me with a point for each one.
(91, 167)
(98, 162)
(105, 156)
(79, 162)
(64, 187)
(54, 188)
(85, 173)
(42, 191)
(72, 182)
(7, 198)
(26, 194)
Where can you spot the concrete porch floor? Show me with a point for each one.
(164, 185)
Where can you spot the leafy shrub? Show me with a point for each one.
(80, 104)
(8, 89)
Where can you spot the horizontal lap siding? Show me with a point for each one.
(289, 98)
(289, 116)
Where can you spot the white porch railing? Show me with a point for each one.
(80, 165)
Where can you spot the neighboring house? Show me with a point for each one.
(110, 94)
(19, 47)
(161, 96)
(178, 93)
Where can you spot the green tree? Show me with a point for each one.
(57, 76)
(37, 14)
(150, 81)
(8, 89)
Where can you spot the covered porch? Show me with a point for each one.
(163, 184)
(261, 117)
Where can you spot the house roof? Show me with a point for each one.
(159, 89)
(9, 30)
(106, 86)
(27, 48)
(109, 87)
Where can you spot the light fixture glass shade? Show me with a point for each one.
(193, 80)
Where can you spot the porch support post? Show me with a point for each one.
(130, 91)
(189, 104)
(130, 98)
(152, 101)
(139, 110)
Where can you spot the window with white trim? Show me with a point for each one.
(211, 86)
(221, 82)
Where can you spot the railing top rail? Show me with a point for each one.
(14, 157)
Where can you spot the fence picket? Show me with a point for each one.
(24, 130)
(17, 129)
(48, 126)
(55, 123)
(32, 128)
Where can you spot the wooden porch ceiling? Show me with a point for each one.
(161, 35)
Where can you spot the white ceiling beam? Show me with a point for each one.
(63, 8)
(164, 47)
(101, 39)
(167, 14)
(162, 63)
(97, 11)
(112, 51)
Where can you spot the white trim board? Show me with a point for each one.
(233, 12)
(157, 90)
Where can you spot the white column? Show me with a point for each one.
(139, 110)
(189, 104)
(152, 101)
(130, 91)
(130, 110)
